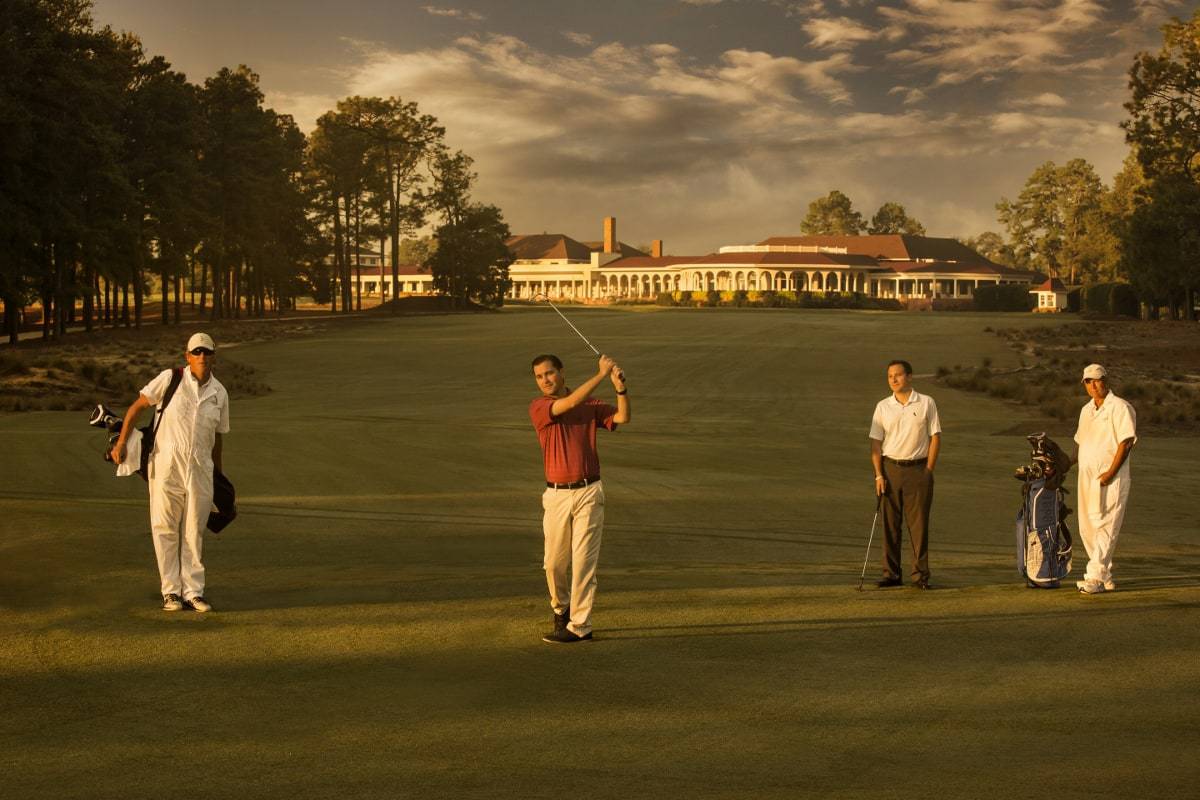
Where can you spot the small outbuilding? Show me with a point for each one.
(1051, 296)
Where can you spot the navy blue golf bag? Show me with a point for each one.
(1043, 538)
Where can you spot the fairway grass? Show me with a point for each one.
(379, 601)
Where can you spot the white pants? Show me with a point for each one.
(572, 522)
(1101, 512)
(179, 510)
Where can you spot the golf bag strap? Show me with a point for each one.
(176, 378)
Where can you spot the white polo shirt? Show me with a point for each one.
(1100, 432)
(905, 429)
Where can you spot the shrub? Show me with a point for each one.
(13, 363)
(1116, 299)
(1003, 297)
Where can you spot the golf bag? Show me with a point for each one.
(103, 417)
(1043, 538)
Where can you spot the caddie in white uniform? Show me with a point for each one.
(1107, 432)
(187, 449)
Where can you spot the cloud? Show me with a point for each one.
(741, 142)
(1043, 100)
(470, 16)
(581, 39)
(960, 40)
(911, 95)
(837, 32)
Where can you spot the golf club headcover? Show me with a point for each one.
(224, 503)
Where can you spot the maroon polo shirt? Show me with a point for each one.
(569, 440)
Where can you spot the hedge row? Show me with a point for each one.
(783, 299)
(1115, 299)
(1004, 297)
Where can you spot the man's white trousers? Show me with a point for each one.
(179, 510)
(573, 521)
(1101, 512)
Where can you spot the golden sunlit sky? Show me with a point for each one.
(702, 122)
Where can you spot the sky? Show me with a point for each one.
(702, 122)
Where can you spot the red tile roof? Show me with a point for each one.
(557, 246)
(892, 246)
(627, 251)
(1052, 285)
(748, 259)
(547, 246)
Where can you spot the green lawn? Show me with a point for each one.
(379, 602)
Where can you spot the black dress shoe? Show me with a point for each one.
(566, 637)
(886, 582)
(923, 583)
(561, 620)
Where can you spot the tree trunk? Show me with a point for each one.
(238, 279)
(1189, 304)
(382, 266)
(178, 296)
(125, 303)
(339, 254)
(89, 297)
(60, 317)
(218, 278)
(12, 314)
(394, 201)
(139, 272)
(347, 289)
(357, 257)
(203, 286)
(166, 300)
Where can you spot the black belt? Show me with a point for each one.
(575, 485)
(910, 463)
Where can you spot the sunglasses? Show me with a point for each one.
(201, 351)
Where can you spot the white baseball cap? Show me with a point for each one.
(1094, 371)
(201, 340)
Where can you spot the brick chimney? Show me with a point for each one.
(610, 234)
(656, 248)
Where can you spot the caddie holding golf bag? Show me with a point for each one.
(1043, 538)
(186, 451)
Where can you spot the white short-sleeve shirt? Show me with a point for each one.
(1101, 430)
(905, 429)
(190, 423)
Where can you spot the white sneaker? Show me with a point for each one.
(1090, 587)
(1110, 585)
(171, 602)
(200, 604)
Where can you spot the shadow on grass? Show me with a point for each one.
(798, 626)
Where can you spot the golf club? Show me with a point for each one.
(543, 296)
(878, 505)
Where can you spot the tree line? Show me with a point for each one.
(115, 169)
(1144, 228)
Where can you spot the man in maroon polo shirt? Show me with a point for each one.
(573, 503)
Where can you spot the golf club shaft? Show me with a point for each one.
(870, 540)
(564, 319)
(620, 375)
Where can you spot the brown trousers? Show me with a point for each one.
(908, 499)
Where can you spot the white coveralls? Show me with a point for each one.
(1102, 508)
(181, 477)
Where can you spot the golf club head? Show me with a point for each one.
(103, 417)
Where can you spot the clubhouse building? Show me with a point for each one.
(889, 265)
